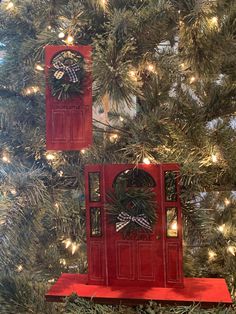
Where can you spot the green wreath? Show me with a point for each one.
(66, 75)
(132, 210)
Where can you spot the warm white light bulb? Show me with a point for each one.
(13, 192)
(38, 67)
(192, 79)
(226, 201)
(69, 40)
(67, 243)
(113, 138)
(19, 268)
(212, 255)
(35, 89)
(133, 75)
(83, 151)
(61, 35)
(214, 158)
(213, 21)
(50, 156)
(62, 261)
(150, 67)
(73, 248)
(221, 228)
(6, 159)
(231, 249)
(104, 3)
(10, 6)
(146, 161)
(121, 119)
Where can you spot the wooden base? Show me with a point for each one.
(208, 291)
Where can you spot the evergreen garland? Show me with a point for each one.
(133, 202)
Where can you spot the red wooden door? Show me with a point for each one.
(69, 122)
(137, 260)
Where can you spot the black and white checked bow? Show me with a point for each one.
(69, 70)
(124, 219)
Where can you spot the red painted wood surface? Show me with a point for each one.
(69, 122)
(146, 260)
(209, 291)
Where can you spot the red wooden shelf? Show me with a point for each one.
(207, 291)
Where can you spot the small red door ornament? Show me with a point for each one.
(68, 97)
(146, 258)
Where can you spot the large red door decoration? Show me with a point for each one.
(144, 258)
(68, 97)
(145, 263)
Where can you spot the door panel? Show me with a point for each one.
(125, 260)
(145, 254)
(136, 260)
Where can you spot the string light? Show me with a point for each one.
(2, 221)
(69, 40)
(213, 22)
(51, 280)
(133, 75)
(31, 90)
(10, 6)
(214, 158)
(61, 173)
(56, 205)
(13, 192)
(62, 261)
(192, 79)
(150, 67)
(61, 35)
(113, 138)
(50, 156)
(231, 249)
(35, 89)
(19, 268)
(83, 151)
(67, 243)
(38, 67)
(221, 228)
(49, 27)
(146, 161)
(74, 248)
(121, 119)
(5, 159)
(226, 201)
(104, 3)
(212, 255)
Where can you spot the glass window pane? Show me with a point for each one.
(170, 186)
(172, 222)
(94, 187)
(95, 222)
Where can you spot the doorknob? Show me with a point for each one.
(158, 237)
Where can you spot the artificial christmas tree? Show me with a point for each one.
(172, 64)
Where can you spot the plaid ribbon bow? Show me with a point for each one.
(69, 70)
(125, 219)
